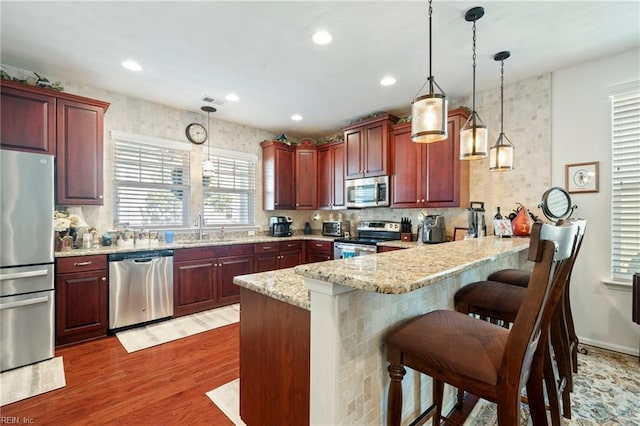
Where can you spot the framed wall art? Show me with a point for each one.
(581, 177)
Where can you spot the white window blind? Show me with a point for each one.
(151, 183)
(625, 236)
(229, 194)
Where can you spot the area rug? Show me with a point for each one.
(154, 334)
(606, 391)
(31, 380)
(227, 398)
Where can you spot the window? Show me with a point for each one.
(151, 181)
(625, 226)
(229, 193)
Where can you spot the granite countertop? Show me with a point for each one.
(394, 272)
(184, 244)
(403, 271)
(283, 284)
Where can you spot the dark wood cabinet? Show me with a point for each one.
(318, 251)
(203, 276)
(306, 176)
(79, 153)
(81, 298)
(367, 147)
(61, 124)
(278, 169)
(28, 120)
(277, 255)
(429, 175)
(331, 176)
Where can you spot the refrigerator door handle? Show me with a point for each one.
(29, 274)
(27, 302)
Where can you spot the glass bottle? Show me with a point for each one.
(497, 216)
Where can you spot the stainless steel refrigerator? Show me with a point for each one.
(27, 327)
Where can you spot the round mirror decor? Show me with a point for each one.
(556, 204)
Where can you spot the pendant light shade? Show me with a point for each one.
(429, 112)
(474, 135)
(208, 168)
(501, 154)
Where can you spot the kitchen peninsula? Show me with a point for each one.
(311, 337)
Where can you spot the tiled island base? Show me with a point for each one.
(352, 305)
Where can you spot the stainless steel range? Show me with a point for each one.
(370, 233)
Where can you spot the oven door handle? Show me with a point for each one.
(26, 302)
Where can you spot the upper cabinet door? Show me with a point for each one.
(353, 153)
(278, 168)
(375, 149)
(28, 121)
(408, 159)
(79, 153)
(306, 177)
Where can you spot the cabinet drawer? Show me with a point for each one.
(318, 245)
(65, 265)
(291, 245)
(233, 250)
(195, 253)
(273, 247)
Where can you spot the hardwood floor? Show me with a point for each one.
(162, 385)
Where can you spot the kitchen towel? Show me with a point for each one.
(31, 380)
(157, 333)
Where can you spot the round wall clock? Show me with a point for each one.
(196, 133)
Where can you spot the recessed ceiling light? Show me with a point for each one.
(132, 65)
(388, 81)
(322, 37)
(232, 97)
(296, 117)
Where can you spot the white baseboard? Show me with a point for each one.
(604, 345)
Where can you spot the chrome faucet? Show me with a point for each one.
(199, 223)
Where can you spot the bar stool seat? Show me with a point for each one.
(519, 277)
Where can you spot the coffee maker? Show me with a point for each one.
(477, 225)
(280, 226)
(433, 229)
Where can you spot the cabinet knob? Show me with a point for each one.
(100, 197)
(423, 200)
(417, 201)
(297, 204)
(104, 279)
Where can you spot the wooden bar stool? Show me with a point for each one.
(492, 362)
(501, 301)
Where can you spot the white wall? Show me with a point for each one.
(581, 132)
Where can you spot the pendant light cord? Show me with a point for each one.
(474, 81)
(208, 136)
(502, 97)
(430, 49)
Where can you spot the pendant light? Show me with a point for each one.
(207, 166)
(501, 154)
(429, 112)
(474, 134)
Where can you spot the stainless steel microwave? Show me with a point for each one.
(367, 192)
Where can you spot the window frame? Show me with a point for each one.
(625, 216)
(251, 211)
(150, 141)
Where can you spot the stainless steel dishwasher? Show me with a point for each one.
(140, 287)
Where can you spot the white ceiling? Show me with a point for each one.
(263, 52)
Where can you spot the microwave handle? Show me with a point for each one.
(377, 192)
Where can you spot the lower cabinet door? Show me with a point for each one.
(194, 287)
(289, 259)
(227, 269)
(81, 306)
